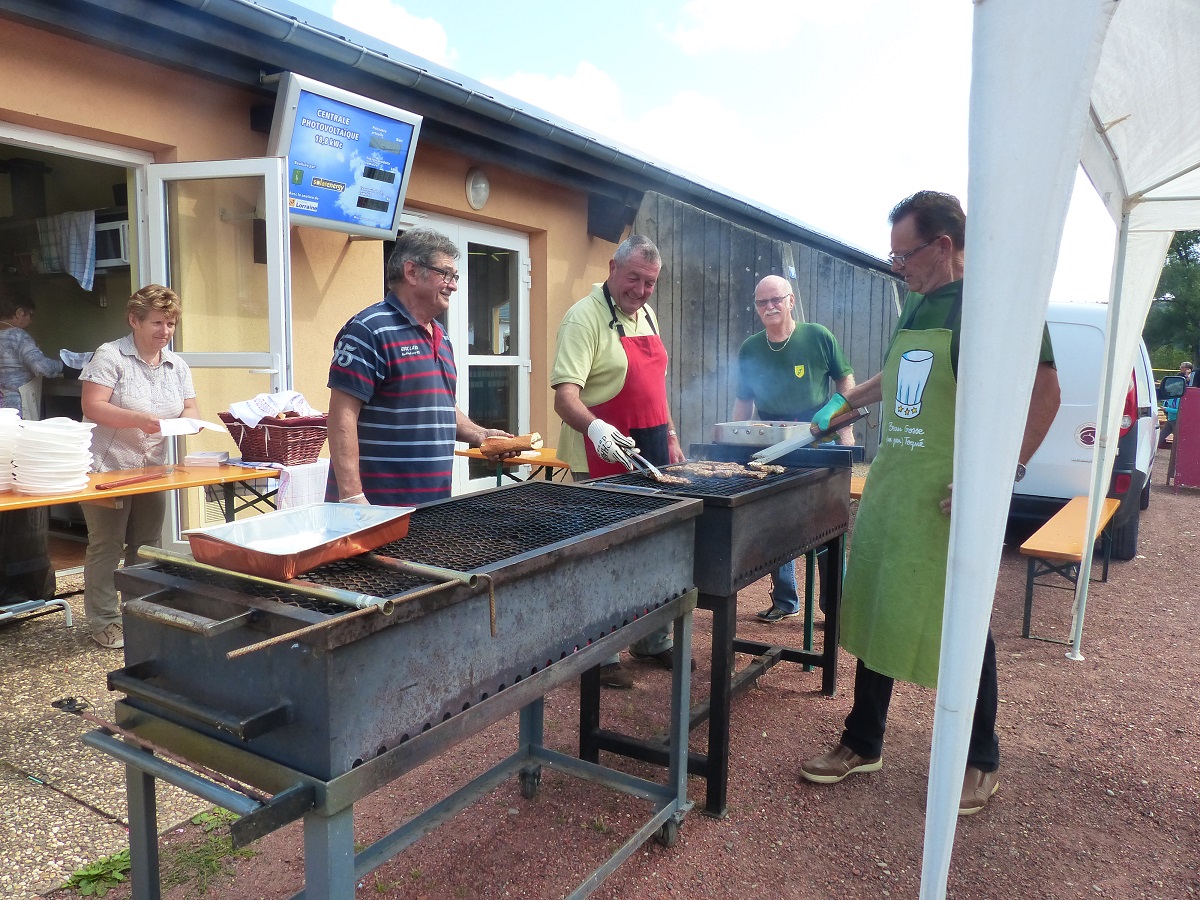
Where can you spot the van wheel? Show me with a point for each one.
(1125, 538)
(1145, 504)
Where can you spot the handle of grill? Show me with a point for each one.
(131, 680)
(430, 573)
(333, 595)
(151, 608)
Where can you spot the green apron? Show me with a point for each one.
(896, 576)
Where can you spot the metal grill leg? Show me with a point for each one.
(589, 715)
(831, 593)
(329, 855)
(724, 613)
(143, 835)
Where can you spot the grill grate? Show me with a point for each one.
(483, 529)
(465, 533)
(702, 486)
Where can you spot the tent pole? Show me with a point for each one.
(1101, 462)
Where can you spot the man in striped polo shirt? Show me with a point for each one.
(392, 415)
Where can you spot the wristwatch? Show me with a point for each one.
(1020, 472)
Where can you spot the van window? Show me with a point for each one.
(1078, 353)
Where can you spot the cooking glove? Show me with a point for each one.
(835, 407)
(611, 446)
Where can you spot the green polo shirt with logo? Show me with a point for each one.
(790, 382)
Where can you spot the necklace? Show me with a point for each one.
(775, 349)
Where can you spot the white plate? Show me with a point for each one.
(66, 465)
(22, 489)
(52, 480)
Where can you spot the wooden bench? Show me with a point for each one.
(857, 484)
(1057, 548)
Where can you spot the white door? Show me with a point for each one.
(204, 237)
(488, 324)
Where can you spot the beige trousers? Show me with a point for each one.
(115, 535)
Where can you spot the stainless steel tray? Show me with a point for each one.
(289, 542)
(757, 432)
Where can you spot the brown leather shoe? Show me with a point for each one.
(978, 788)
(837, 764)
(614, 676)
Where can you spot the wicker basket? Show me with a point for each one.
(289, 442)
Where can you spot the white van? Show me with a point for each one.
(1061, 468)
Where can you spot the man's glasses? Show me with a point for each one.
(899, 259)
(447, 276)
(771, 301)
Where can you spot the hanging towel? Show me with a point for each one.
(68, 244)
(302, 485)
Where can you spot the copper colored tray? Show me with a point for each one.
(284, 544)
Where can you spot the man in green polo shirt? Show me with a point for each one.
(894, 592)
(784, 372)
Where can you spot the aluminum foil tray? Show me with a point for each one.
(757, 432)
(289, 542)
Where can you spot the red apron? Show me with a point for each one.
(640, 408)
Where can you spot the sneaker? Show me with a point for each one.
(978, 788)
(110, 637)
(837, 764)
(661, 658)
(613, 675)
(775, 614)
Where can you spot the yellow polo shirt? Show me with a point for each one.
(590, 354)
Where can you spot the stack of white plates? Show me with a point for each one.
(10, 424)
(52, 456)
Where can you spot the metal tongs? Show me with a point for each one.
(645, 465)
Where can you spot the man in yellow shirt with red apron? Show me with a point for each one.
(894, 590)
(610, 389)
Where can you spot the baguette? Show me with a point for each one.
(496, 445)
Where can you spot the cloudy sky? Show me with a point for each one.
(828, 112)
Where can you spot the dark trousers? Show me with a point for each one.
(873, 693)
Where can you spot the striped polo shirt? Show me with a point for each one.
(405, 378)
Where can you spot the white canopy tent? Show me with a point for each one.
(1112, 86)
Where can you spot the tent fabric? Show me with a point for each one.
(1110, 86)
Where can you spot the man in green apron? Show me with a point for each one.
(895, 578)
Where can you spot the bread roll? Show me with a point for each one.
(496, 445)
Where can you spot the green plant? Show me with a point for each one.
(201, 862)
(214, 818)
(97, 878)
(599, 825)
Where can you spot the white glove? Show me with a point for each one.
(611, 445)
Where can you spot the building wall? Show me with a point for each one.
(59, 85)
(705, 303)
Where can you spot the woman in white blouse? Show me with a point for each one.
(130, 385)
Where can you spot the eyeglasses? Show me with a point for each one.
(447, 276)
(771, 301)
(900, 259)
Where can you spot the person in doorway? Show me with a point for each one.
(129, 386)
(895, 580)
(784, 372)
(21, 362)
(610, 390)
(392, 416)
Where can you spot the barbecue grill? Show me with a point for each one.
(749, 528)
(292, 693)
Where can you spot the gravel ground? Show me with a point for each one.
(1099, 790)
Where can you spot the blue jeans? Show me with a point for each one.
(783, 588)
(784, 594)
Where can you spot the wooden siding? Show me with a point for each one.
(705, 305)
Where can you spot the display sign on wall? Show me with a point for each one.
(349, 156)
